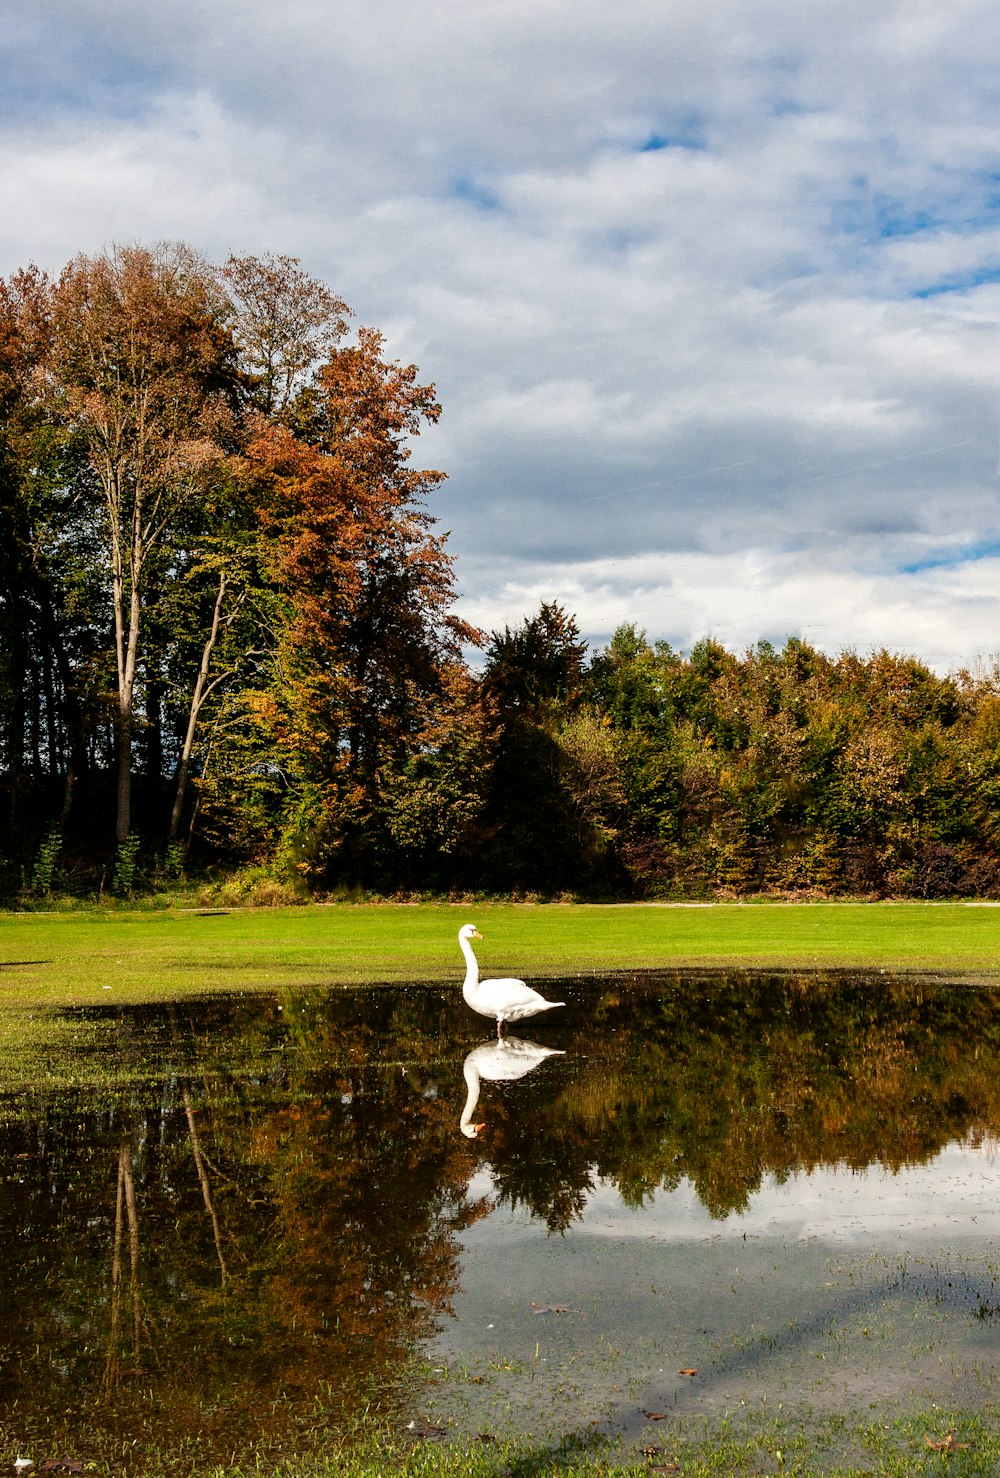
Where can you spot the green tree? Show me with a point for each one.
(554, 788)
(537, 664)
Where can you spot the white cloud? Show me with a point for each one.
(711, 354)
(741, 598)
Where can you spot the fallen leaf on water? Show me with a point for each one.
(947, 1445)
(655, 1416)
(689, 1370)
(553, 1309)
(665, 1467)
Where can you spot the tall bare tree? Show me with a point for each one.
(142, 360)
(285, 322)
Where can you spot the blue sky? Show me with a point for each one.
(710, 294)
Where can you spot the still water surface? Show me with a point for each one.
(685, 1193)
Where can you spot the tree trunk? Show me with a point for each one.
(52, 737)
(36, 724)
(204, 1182)
(125, 1209)
(17, 718)
(123, 744)
(77, 762)
(112, 1362)
(127, 634)
(197, 699)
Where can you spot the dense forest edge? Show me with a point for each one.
(229, 658)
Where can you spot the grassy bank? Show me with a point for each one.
(83, 958)
(928, 1442)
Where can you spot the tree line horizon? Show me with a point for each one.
(228, 646)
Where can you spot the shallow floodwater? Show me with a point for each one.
(682, 1194)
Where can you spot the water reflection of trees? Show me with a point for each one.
(721, 1080)
(192, 1259)
(268, 1212)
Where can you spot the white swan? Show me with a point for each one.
(507, 1000)
(498, 1062)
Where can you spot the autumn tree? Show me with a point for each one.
(23, 324)
(261, 561)
(50, 600)
(364, 633)
(142, 362)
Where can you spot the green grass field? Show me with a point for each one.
(76, 958)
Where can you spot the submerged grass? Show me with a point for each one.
(64, 959)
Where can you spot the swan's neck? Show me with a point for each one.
(472, 1080)
(471, 971)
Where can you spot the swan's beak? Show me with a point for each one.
(476, 934)
(471, 1131)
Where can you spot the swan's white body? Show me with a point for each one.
(506, 1000)
(498, 1062)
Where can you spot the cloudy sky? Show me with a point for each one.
(710, 292)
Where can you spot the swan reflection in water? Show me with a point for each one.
(503, 1061)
